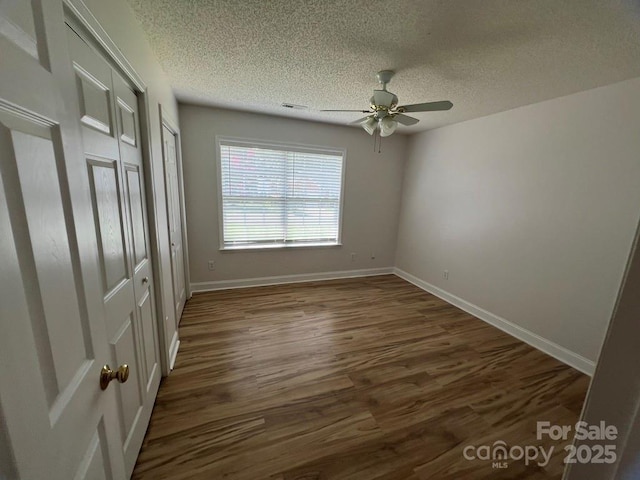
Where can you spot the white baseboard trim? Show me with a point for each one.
(547, 346)
(173, 350)
(281, 279)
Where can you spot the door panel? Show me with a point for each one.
(53, 342)
(60, 341)
(48, 266)
(175, 221)
(129, 395)
(59, 324)
(127, 117)
(95, 98)
(137, 219)
(109, 224)
(115, 165)
(41, 96)
(128, 128)
(17, 25)
(145, 310)
(95, 462)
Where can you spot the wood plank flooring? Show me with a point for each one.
(358, 379)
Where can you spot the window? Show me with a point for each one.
(279, 195)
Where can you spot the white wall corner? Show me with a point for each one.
(563, 354)
(283, 279)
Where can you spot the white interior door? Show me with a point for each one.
(111, 133)
(175, 220)
(56, 420)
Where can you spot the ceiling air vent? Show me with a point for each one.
(294, 106)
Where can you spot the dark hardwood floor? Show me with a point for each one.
(359, 379)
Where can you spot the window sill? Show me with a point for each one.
(253, 248)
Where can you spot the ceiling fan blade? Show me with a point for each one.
(361, 111)
(360, 120)
(406, 119)
(427, 107)
(382, 97)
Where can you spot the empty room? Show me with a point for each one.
(319, 240)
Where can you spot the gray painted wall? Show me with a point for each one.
(533, 211)
(371, 196)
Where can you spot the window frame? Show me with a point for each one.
(286, 146)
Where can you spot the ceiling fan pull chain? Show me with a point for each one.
(377, 139)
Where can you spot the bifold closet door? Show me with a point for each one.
(57, 423)
(174, 214)
(112, 150)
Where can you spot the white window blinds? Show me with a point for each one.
(280, 195)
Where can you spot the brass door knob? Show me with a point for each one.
(106, 375)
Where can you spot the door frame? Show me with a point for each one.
(78, 15)
(167, 121)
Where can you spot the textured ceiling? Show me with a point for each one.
(485, 56)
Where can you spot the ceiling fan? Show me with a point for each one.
(384, 112)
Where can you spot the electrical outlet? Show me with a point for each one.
(445, 274)
(212, 265)
(353, 256)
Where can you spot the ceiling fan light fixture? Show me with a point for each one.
(370, 125)
(388, 125)
(384, 112)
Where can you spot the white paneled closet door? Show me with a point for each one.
(111, 135)
(55, 420)
(76, 283)
(174, 215)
